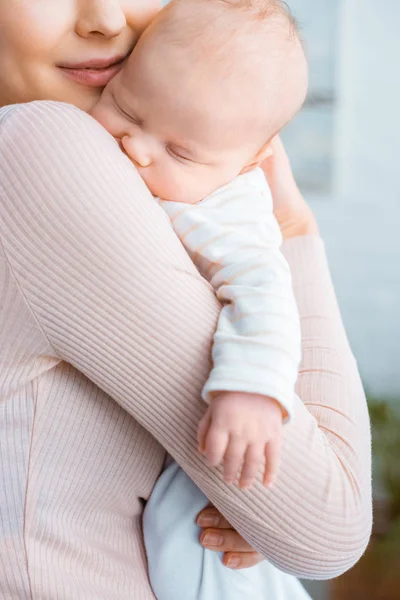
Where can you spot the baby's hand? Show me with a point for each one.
(243, 430)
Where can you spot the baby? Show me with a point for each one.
(206, 89)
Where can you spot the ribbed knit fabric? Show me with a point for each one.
(105, 335)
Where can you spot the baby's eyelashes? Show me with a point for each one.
(179, 156)
(129, 116)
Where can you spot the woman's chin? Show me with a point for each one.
(82, 97)
(71, 92)
(86, 103)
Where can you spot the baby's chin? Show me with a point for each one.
(180, 197)
(171, 193)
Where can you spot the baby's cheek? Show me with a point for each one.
(191, 184)
(171, 182)
(157, 179)
(176, 182)
(202, 183)
(104, 115)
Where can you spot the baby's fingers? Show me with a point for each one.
(215, 444)
(233, 458)
(272, 455)
(252, 464)
(202, 430)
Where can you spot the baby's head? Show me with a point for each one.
(207, 87)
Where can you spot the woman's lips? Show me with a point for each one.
(93, 73)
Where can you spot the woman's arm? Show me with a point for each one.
(296, 220)
(117, 297)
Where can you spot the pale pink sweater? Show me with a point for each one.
(105, 333)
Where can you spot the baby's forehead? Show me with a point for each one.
(203, 87)
(191, 105)
(223, 88)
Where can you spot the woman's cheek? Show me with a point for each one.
(140, 13)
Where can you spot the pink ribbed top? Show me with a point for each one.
(105, 334)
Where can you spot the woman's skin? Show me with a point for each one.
(67, 50)
(39, 37)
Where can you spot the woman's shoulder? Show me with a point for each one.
(41, 111)
(46, 144)
(6, 111)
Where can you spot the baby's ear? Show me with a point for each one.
(258, 158)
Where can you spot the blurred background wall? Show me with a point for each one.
(344, 147)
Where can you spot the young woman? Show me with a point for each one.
(105, 331)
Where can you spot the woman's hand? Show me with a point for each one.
(294, 215)
(219, 535)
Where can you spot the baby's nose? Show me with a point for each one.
(143, 160)
(137, 150)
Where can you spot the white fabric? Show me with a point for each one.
(181, 569)
(234, 240)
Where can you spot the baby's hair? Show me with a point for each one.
(236, 17)
(263, 9)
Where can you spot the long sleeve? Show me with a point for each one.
(115, 295)
(233, 238)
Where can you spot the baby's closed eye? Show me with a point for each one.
(179, 156)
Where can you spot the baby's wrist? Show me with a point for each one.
(248, 397)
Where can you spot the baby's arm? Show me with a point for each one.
(234, 240)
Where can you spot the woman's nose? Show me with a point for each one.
(100, 17)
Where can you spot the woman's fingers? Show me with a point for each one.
(224, 540)
(293, 214)
(219, 536)
(242, 560)
(238, 554)
(211, 517)
(278, 172)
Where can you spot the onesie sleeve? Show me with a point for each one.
(234, 240)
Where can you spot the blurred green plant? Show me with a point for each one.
(383, 556)
(385, 422)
